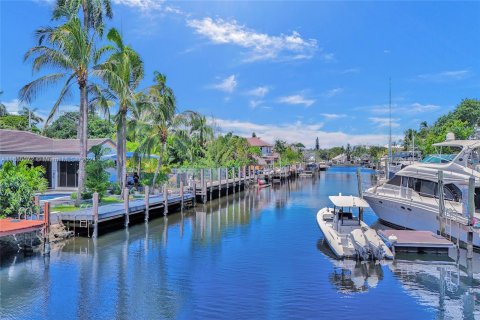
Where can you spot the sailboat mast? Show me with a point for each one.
(390, 120)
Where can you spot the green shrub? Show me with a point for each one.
(97, 175)
(18, 185)
(73, 196)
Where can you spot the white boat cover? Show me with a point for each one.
(348, 201)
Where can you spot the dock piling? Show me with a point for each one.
(471, 216)
(165, 200)
(194, 186)
(219, 182)
(211, 184)
(441, 204)
(147, 203)
(233, 176)
(46, 234)
(126, 206)
(95, 215)
(181, 195)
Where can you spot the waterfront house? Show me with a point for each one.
(267, 157)
(59, 157)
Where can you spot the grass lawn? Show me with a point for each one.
(71, 207)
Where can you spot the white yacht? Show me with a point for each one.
(410, 198)
(347, 235)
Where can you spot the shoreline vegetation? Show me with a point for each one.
(81, 53)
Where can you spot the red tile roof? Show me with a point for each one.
(257, 142)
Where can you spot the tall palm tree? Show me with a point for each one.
(122, 72)
(68, 49)
(93, 12)
(30, 113)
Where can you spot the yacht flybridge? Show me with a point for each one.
(348, 236)
(410, 199)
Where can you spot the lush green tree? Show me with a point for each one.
(18, 185)
(14, 122)
(122, 72)
(280, 146)
(66, 127)
(68, 49)
(97, 175)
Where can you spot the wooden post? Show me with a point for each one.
(233, 175)
(147, 203)
(226, 175)
(95, 215)
(36, 203)
(219, 182)
(46, 235)
(181, 194)
(471, 216)
(441, 204)
(194, 186)
(211, 184)
(126, 200)
(202, 184)
(359, 183)
(239, 179)
(165, 200)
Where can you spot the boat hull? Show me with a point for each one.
(406, 214)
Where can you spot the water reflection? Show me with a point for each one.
(351, 276)
(250, 255)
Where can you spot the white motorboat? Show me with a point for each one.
(347, 235)
(410, 199)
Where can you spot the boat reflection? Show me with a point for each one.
(352, 276)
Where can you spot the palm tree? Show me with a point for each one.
(93, 12)
(162, 105)
(69, 49)
(122, 72)
(3, 108)
(30, 113)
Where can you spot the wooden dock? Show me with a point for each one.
(183, 190)
(416, 241)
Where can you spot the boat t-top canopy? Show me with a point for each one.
(348, 201)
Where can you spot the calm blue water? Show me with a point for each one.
(257, 255)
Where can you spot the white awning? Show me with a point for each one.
(348, 201)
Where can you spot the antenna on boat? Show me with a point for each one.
(390, 120)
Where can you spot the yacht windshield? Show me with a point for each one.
(439, 158)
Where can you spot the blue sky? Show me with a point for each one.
(288, 70)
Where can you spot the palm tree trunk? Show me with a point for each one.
(159, 165)
(121, 153)
(82, 135)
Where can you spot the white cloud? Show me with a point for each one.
(413, 108)
(333, 115)
(444, 76)
(255, 103)
(259, 91)
(384, 122)
(350, 70)
(261, 46)
(333, 92)
(296, 99)
(143, 5)
(227, 85)
(299, 132)
(13, 106)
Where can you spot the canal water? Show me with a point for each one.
(253, 255)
